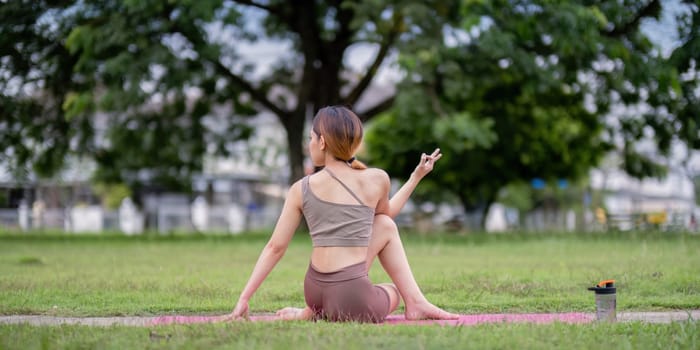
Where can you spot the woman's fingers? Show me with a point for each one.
(434, 156)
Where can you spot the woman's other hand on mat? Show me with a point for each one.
(294, 313)
(240, 312)
(426, 163)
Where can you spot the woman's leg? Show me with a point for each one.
(394, 296)
(386, 244)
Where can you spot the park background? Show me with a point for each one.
(177, 116)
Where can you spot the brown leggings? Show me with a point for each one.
(345, 295)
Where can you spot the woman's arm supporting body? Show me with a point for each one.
(399, 199)
(274, 249)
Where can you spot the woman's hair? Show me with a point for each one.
(342, 131)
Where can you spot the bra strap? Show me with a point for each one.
(304, 185)
(345, 186)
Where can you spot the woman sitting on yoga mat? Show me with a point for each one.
(348, 211)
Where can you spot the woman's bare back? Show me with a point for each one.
(370, 190)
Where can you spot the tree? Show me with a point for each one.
(35, 72)
(158, 68)
(685, 59)
(522, 91)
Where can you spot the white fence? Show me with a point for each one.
(199, 216)
(181, 217)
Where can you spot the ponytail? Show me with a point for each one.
(356, 164)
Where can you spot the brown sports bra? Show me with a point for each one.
(336, 224)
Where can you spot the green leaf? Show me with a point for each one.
(77, 104)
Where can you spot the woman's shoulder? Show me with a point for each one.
(297, 183)
(376, 174)
(295, 188)
(377, 171)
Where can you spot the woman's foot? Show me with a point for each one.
(427, 311)
(294, 313)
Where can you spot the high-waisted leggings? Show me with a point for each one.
(345, 295)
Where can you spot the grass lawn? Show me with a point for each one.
(153, 275)
(298, 335)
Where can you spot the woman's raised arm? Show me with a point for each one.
(399, 199)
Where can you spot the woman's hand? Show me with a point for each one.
(240, 312)
(399, 199)
(295, 313)
(426, 163)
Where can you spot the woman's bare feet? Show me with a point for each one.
(294, 313)
(427, 311)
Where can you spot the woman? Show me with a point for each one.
(347, 208)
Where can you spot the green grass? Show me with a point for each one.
(302, 335)
(102, 275)
(113, 275)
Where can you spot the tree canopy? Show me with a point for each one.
(133, 83)
(511, 90)
(527, 90)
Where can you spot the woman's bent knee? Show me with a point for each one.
(383, 223)
(394, 296)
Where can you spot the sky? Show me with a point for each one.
(663, 31)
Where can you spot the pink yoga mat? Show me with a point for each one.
(464, 320)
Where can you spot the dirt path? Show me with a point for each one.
(143, 321)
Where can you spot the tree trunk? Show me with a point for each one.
(294, 126)
(485, 213)
(323, 86)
